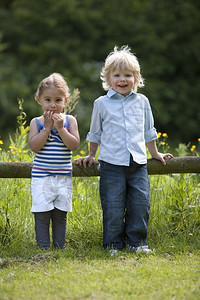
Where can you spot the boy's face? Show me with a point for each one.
(122, 81)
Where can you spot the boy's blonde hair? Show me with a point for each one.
(55, 79)
(122, 59)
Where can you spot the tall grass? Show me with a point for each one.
(174, 219)
(175, 211)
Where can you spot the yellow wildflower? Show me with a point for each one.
(159, 134)
(198, 139)
(163, 143)
(0, 149)
(12, 147)
(82, 152)
(19, 150)
(24, 151)
(164, 134)
(1, 142)
(193, 148)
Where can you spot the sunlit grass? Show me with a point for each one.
(175, 200)
(83, 270)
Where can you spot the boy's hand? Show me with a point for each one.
(157, 155)
(161, 156)
(85, 161)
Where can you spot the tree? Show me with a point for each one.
(74, 37)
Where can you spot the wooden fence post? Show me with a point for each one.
(187, 164)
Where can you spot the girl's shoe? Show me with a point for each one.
(113, 252)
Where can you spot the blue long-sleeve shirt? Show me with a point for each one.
(122, 126)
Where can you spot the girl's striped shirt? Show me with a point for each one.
(54, 158)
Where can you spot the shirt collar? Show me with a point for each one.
(113, 94)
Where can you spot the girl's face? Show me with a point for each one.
(122, 81)
(52, 99)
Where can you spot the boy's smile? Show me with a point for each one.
(122, 81)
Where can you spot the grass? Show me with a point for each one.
(83, 270)
(61, 275)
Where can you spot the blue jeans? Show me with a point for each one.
(124, 193)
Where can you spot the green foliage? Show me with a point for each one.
(184, 209)
(74, 37)
(174, 212)
(174, 198)
(174, 204)
(20, 140)
(72, 102)
(18, 148)
(83, 269)
(15, 216)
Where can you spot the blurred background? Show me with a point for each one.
(74, 37)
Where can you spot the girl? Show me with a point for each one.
(53, 136)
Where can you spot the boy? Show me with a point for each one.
(122, 123)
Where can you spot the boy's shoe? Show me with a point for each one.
(140, 249)
(113, 252)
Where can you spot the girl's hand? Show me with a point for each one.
(48, 121)
(58, 121)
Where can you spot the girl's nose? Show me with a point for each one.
(53, 104)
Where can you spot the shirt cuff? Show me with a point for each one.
(94, 138)
(150, 135)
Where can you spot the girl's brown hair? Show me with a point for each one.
(56, 80)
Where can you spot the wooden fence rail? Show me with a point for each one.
(187, 164)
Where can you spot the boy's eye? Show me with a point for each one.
(129, 74)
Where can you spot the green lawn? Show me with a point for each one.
(96, 275)
(83, 270)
